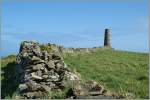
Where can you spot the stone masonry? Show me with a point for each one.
(39, 72)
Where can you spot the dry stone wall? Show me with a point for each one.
(39, 72)
(63, 50)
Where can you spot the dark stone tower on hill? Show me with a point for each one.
(107, 38)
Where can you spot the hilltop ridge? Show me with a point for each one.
(125, 73)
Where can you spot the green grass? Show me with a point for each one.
(119, 71)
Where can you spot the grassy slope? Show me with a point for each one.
(123, 72)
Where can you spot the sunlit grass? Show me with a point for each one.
(119, 71)
(122, 72)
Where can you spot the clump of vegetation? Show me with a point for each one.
(58, 94)
(47, 48)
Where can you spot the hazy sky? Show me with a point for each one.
(75, 24)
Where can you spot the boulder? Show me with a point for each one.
(94, 88)
(90, 88)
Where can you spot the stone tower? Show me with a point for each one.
(107, 38)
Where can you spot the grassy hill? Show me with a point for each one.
(119, 71)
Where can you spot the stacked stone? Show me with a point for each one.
(39, 72)
(93, 90)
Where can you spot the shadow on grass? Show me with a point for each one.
(8, 83)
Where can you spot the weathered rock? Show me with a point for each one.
(65, 66)
(90, 88)
(45, 76)
(25, 54)
(35, 95)
(38, 73)
(35, 76)
(45, 88)
(50, 64)
(50, 84)
(71, 76)
(26, 77)
(23, 88)
(56, 61)
(36, 60)
(94, 88)
(54, 77)
(45, 55)
(59, 65)
(45, 71)
(33, 86)
(78, 91)
(37, 67)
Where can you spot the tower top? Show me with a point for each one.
(108, 30)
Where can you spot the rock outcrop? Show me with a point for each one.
(39, 72)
